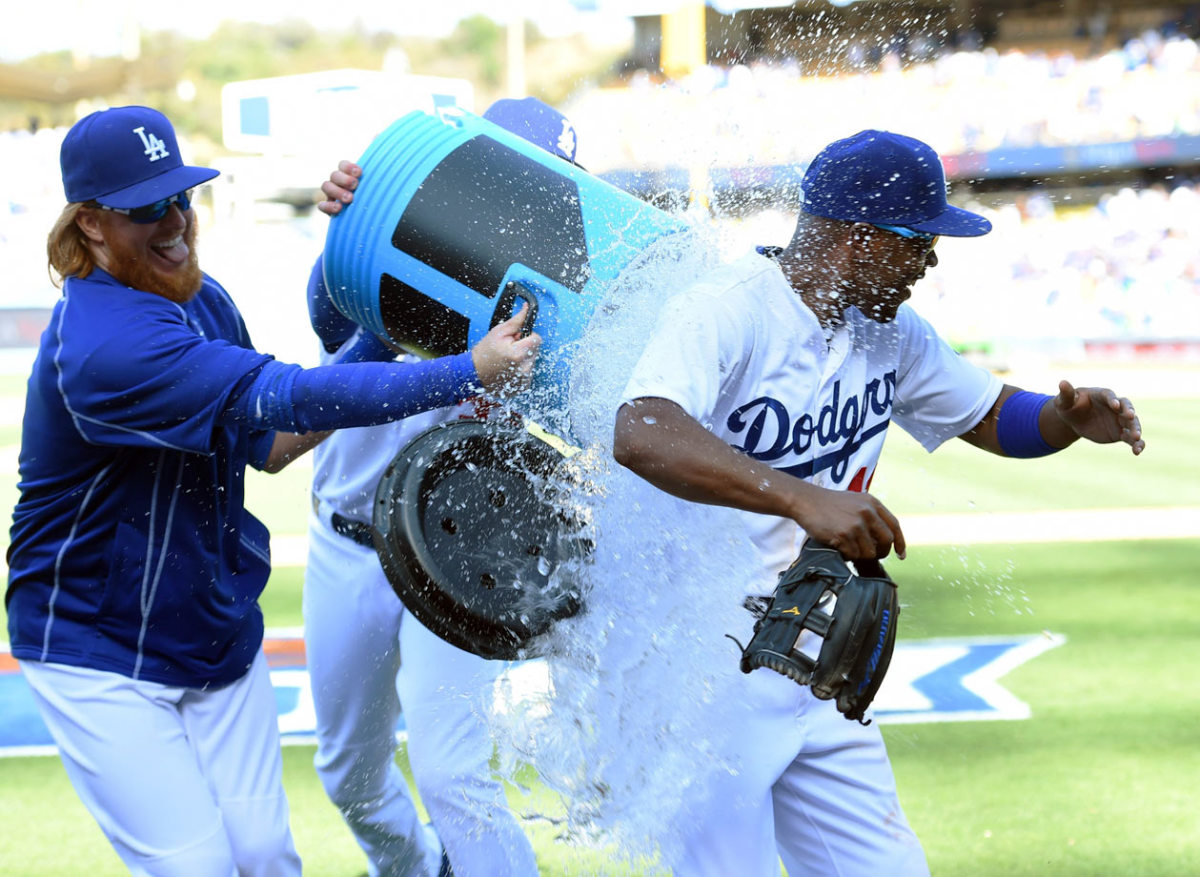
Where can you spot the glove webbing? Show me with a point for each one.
(801, 611)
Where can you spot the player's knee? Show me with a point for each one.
(262, 839)
(266, 853)
(453, 792)
(210, 855)
(351, 781)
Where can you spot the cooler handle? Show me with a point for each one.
(507, 306)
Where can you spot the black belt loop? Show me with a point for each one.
(355, 531)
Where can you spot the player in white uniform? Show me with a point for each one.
(769, 388)
(363, 648)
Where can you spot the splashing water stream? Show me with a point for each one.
(619, 730)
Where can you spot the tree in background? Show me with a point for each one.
(183, 77)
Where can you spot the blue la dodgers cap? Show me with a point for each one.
(125, 157)
(889, 179)
(537, 122)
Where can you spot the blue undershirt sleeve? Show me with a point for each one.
(261, 442)
(365, 346)
(331, 325)
(292, 399)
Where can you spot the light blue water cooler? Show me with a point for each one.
(456, 221)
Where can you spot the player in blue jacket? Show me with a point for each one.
(134, 567)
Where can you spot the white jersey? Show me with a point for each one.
(367, 655)
(742, 354)
(348, 465)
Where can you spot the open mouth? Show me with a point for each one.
(173, 251)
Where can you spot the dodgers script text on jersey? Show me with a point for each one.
(743, 355)
(843, 420)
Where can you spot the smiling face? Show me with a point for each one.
(158, 257)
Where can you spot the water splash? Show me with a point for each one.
(620, 728)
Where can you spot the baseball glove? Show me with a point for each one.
(857, 633)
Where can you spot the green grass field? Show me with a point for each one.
(1103, 780)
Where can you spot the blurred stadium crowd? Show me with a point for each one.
(1122, 264)
(1124, 269)
(774, 112)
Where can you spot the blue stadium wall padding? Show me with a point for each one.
(454, 214)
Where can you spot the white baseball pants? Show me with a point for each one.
(797, 781)
(366, 658)
(184, 782)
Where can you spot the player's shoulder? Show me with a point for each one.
(909, 340)
(210, 286)
(737, 288)
(214, 295)
(753, 269)
(915, 329)
(99, 304)
(214, 306)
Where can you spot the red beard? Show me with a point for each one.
(128, 266)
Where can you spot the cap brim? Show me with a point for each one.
(954, 222)
(173, 182)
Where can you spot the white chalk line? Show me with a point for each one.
(975, 528)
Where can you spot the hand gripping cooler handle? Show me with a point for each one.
(507, 305)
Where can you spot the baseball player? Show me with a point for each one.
(769, 387)
(134, 567)
(364, 649)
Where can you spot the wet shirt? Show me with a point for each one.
(743, 355)
(131, 549)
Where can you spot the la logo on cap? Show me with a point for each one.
(101, 163)
(155, 148)
(566, 140)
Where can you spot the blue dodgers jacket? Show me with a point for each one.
(131, 548)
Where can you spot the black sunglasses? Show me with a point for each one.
(152, 212)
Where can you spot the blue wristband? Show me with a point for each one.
(1017, 426)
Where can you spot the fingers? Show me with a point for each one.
(1131, 427)
(1112, 418)
(1067, 396)
(880, 538)
(330, 206)
(504, 360)
(870, 530)
(528, 347)
(344, 179)
(513, 325)
(895, 532)
(523, 356)
(339, 188)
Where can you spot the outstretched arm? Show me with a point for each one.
(1093, 413)
(659, 441)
